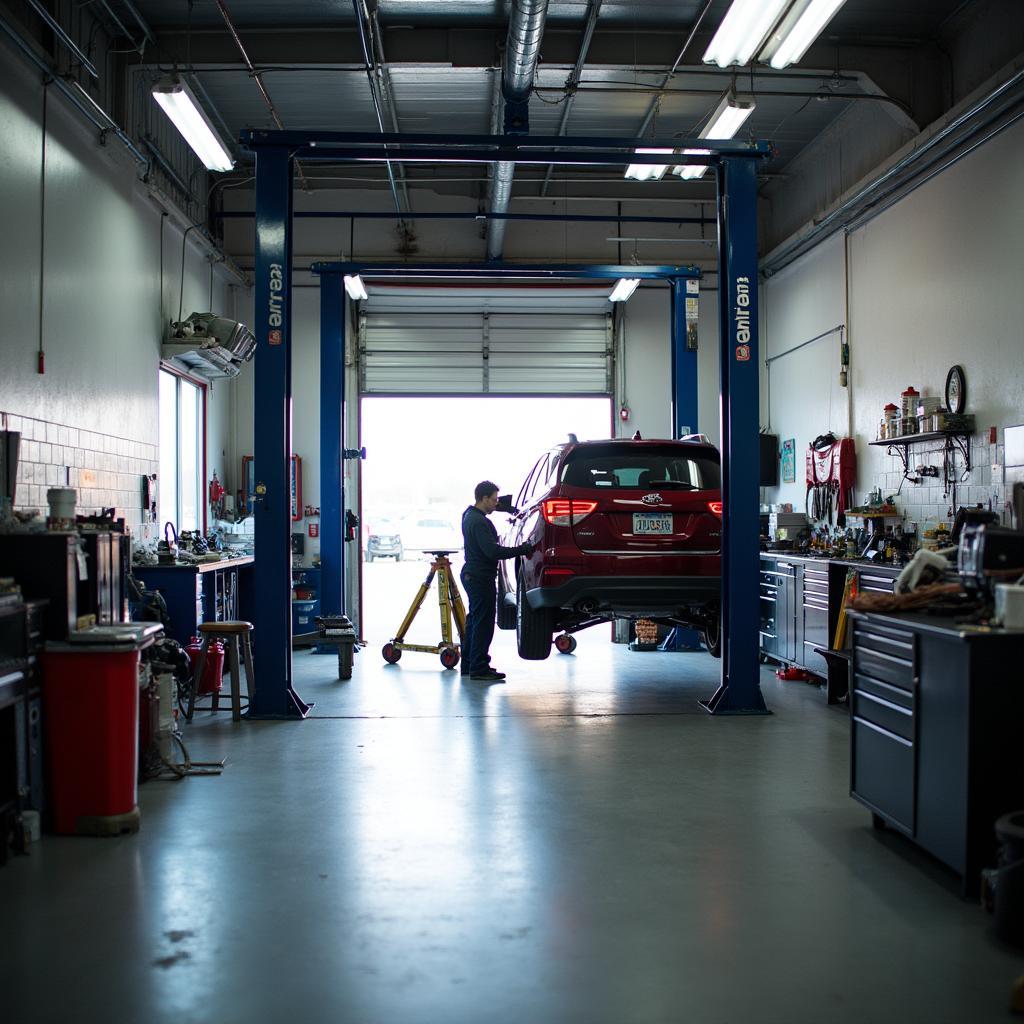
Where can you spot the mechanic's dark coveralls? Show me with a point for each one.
(479, 578)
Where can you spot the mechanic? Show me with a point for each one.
(479, 577)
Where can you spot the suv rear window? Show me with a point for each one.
(666, 467)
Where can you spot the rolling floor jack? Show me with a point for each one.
(450, 601)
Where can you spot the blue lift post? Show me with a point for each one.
(271, 694)
(333, 304)
(684, 408)
(740, 689)
(735, 163)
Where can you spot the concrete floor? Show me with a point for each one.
(580, 844)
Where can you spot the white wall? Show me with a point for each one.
(801, 395)
(934, 281)
(101, 318)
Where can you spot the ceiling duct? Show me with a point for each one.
(209, 346)
(522, 52)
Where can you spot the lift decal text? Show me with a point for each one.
(742, 315)
(276, 303)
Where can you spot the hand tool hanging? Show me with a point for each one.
(831, 466)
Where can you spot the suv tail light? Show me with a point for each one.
(716, 507)
(566, 511)
(551, 577)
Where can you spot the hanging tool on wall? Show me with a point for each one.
(831, 467)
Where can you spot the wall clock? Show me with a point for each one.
(956, 390)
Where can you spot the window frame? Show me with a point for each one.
(203, 388)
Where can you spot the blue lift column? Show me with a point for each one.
(740, 688)
(684, 361)
(271, 694)
(684, 409)
(332, 417)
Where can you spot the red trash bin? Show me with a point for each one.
(91, 721)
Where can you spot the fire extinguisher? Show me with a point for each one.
(213, 673)
(216, 490)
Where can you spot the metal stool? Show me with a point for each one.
(230, 633)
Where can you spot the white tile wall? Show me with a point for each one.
(53, 455)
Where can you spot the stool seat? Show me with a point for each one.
(235, 635)
(225, 628)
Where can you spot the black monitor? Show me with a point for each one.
(769, 460)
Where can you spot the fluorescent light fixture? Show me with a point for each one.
(624, 287)
(797, 30)
(648, 172)
(355, 287)
(181, 107)
(729, 116)
(742, 31)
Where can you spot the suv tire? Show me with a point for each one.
(506, 615)
(713, 636)
(534, 627)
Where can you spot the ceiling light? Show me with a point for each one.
(624, 287)
(355, 287)
(742, 31)
(797, 30)
(181, 107)
(648, 172)
(724, 123)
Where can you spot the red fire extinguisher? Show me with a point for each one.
(216, 490)
(213, 672)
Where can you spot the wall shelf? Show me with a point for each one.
(900, 446)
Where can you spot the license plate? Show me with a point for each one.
(644, 523)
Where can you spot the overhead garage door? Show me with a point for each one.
(470, 341)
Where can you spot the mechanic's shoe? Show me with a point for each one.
(489, 675)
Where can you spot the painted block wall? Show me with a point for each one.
(934, 281)
(103, 305)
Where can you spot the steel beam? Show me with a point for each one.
(270, 693)
(740, 689)
(328, 145)
(503, 271)
(332, 418)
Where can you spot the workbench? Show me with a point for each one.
(200, 592)
(937, 711)
(800, 600)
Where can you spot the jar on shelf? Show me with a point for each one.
(890, 420)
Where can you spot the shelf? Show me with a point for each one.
(958, 440)
(908, 439)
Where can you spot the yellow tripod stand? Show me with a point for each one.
(450, 601)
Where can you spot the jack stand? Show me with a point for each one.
(450, 601)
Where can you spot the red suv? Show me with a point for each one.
(621, 529)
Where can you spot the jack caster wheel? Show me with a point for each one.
(449, 657)
(391, 653)
(565, 644)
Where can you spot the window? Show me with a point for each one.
(182, 459)
(669, 467)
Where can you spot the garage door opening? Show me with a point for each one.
(424, 457)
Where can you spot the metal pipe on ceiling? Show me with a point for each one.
(573, 81)
(96, 116)
(522, 52)
(57, 29)
(656, 102)
(256, 77)
(359, 8)
(591, 218)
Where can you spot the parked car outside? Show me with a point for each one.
(431, 531)
(384, 541)
(621, 529)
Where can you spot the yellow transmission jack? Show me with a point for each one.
(450, 601)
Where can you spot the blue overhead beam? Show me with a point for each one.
(500, 271)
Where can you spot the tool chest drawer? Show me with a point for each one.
(884, 667)
(876, 584)
(886, 714)
(885, 691)
(882, 772)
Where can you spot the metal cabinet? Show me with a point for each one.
(779, 609)
(814, 611)
(934, 719)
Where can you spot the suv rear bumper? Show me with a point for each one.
(632, 595)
